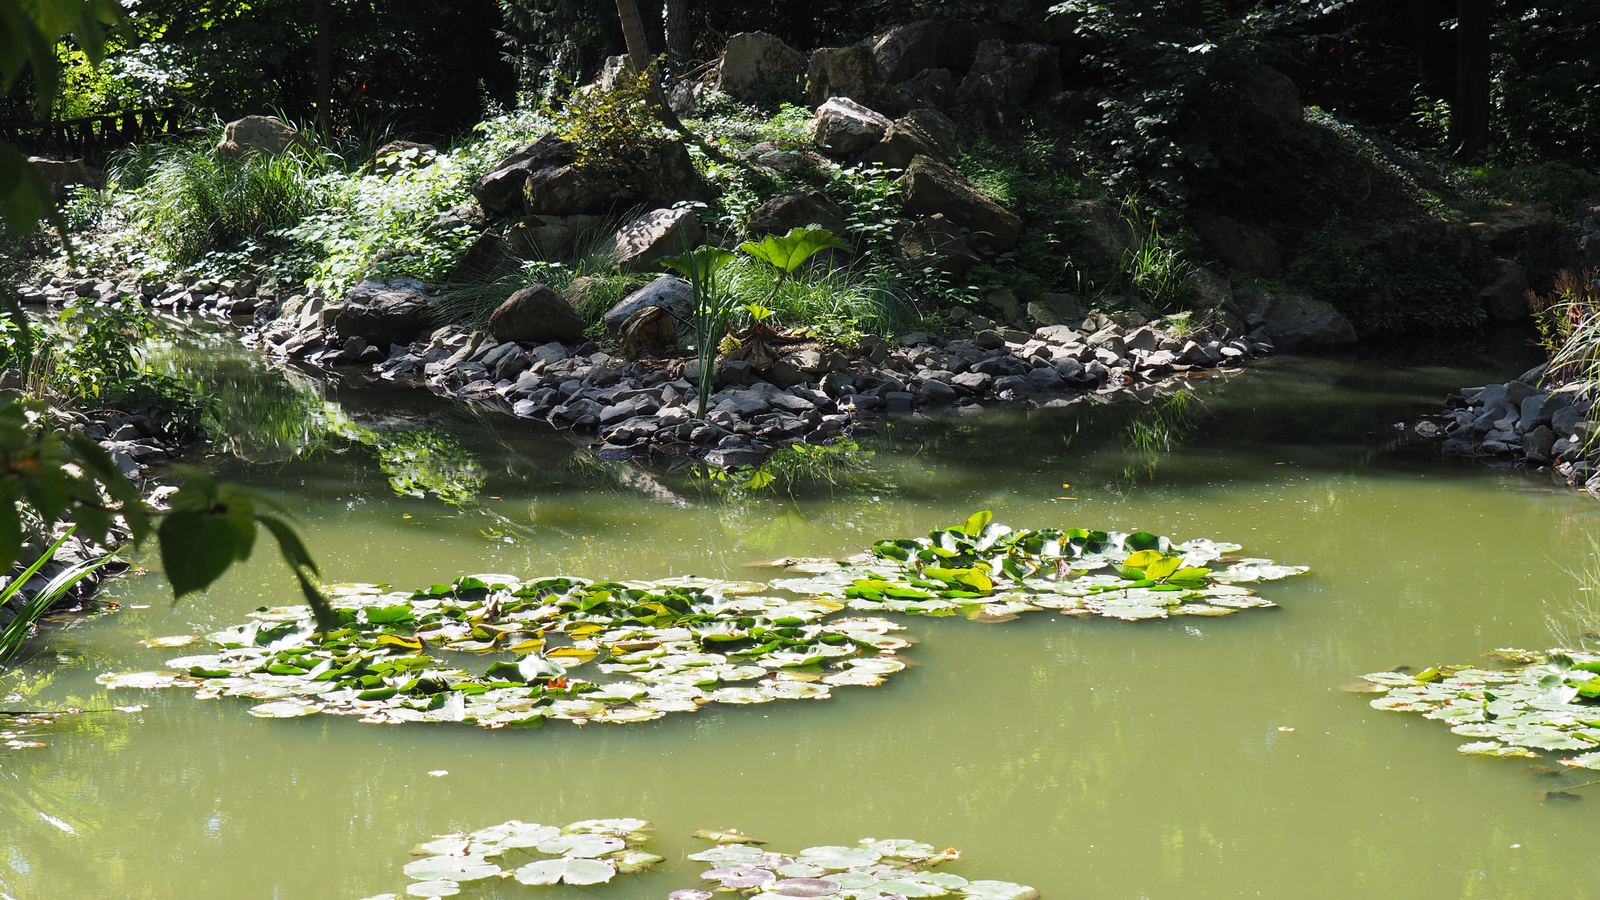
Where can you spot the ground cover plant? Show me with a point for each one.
(622, 652)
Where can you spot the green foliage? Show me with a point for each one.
(104, 356)
(18, 629)
(196, 201)
(1333, 268)
(1560, 184)
(788, 253)
(212, 526)
(713, 307)
(616, 132)
(1156, 271)
(839, 306)
(1569, 328)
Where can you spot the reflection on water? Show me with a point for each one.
(1103, 759)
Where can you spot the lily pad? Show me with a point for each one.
(451, 868)
(582, 845)
(434, 889)
(566, 870)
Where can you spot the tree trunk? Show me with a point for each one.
(680, 34)
(1469, 115)
(323, 22)
(639, 54)
(1436, 47)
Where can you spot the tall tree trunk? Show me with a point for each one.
(680, 34)
(1436, 47)
(639, 54)
(1469, 115)
(323, 21)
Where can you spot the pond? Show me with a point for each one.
(1183, 758)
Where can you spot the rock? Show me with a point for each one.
(1295, 321)
(1517, 392)
(1505, 297)
(536, 314)
(566, 190)
(668, 178)
(462, 215)
(850, 72)
(59, 173)
(1243, 247)
(843, 126)
(489, 258)
(937, 393)
(640, 244)
(902, 51)
(1210, 290)
(935, 241)
(930, 187)
(1006, 303)
(1066, 308)
(500, 190)
(972, 382)
(1511, 226)
(1005, 77)
(1271, 94)
(754, 60)
(800, 209)
(267, 135)
(384, 311)
(533, 238)
(930, 89)
(613, 71)
(735, 457)
(1107, 233)
(921, 132)
(396, 156)
(1565, 421)
(650, 330)
(669, 292)
(1538, 446)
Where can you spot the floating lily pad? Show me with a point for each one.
(452, 868)
(1548, 702)
(434, 889)
(566, 870)
(892, 868)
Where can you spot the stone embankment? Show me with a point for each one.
(1517, 422)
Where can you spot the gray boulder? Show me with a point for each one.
(930, 89)
(1243, 247)
(662, 232)
(384, 311)
(935, 242)
(668, 292)
(842, 126)
(1271, 93)
(1005, 77)
(921, 132)
(930, 186)
(800, 209)
(500, 190)
(753, 59)
(535, 314)
(489, 257)
(669, 177)
(844, 72)
(257, 134)
(902, 51)
(565, 191)
(1505, 297)
(1107, 233)
(1295, 321)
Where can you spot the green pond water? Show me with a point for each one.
(1186, 758)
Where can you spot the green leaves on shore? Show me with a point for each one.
(1545, 703)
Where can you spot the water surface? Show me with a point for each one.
(1189, 759)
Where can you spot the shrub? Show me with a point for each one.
(1569, 327)
(195, 201)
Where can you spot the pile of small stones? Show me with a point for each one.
(1517, 422)
(812, 395)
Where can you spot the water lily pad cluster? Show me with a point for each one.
(988, 571)
(649, 649)
(584, 853)
(872, 869)
(1546, 702)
